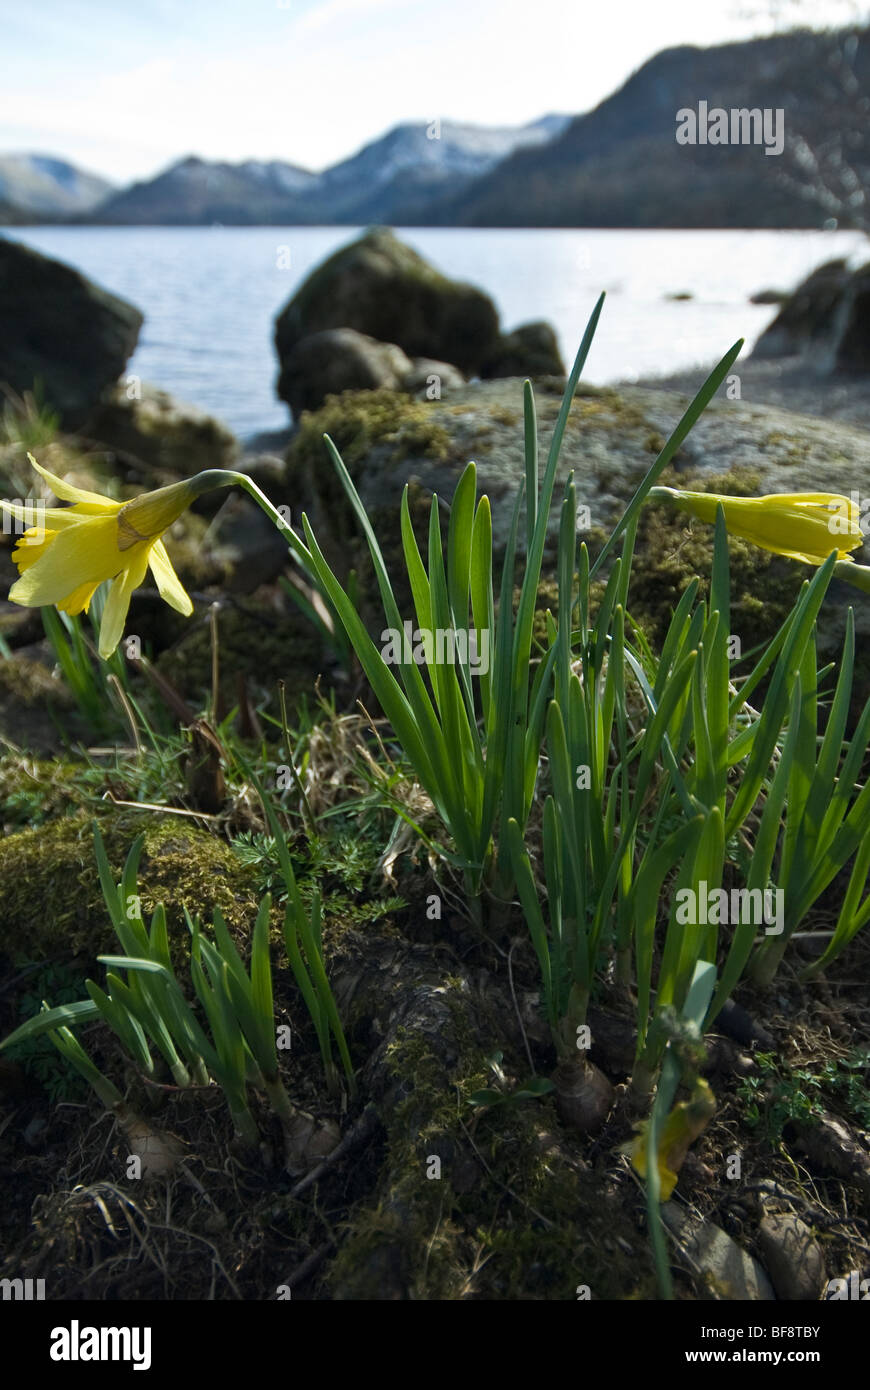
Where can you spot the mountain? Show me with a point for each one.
(12, 217)
(408, 165)
(45, 187)
(195, 191)
(413, 163)
(620, 165)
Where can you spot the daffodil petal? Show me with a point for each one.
(79, 601)
(805, 526)
(68, 493)
(35, 515)
(85, 553)
(169, 585)
(118, 603)
(31, 548)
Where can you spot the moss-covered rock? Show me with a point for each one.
(611, 439)
(52, 905)
(146, 424)
(438, 1225)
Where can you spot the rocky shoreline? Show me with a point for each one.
(790, 384)
(351, 344)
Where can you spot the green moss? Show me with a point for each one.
(504, 415)
(796, 451)
(610, 410)
(358, 421)
(52, 903)
(408, 1234)
(33, 790)
(513, 1214)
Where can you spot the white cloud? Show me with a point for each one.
(311, 84)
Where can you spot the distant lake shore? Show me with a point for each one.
(210, 294)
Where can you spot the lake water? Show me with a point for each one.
(210, 294)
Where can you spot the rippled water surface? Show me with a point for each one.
(210, 294)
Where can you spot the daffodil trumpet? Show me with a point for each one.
(72, 550)
(806, 526)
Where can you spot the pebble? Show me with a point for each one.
(726, 1271)
(792, 1257)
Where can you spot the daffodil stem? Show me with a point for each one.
(294, 541)
(858, 575)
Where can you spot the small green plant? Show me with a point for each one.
(27, 423)
(38, 1056)
(501, 1093)
(779, 1094)
(148, 1011)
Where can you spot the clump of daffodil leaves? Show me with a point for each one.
(64, 559)
(476, 751)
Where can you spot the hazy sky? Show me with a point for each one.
(124, 89)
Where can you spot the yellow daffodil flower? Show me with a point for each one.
(73, 550)
(684, 1125)
(805, 526)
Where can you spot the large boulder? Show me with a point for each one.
(825, 320)
(384, 289)
(532, 350)
(737, 447)
(60, 332)
(142, 423)
(853, 345)
(336, 360)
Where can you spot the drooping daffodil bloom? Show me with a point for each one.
(805, 526)
(64, 558)
(685, 1123)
